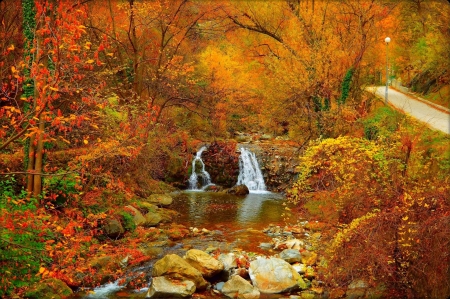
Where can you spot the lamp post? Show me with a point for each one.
(387, 40)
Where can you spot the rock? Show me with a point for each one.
(203, 262)
(152, 219)
(176, 267)
(356, 289)
(160, 199)
(265, 245)
(50, 288)
(290, 244)
(146, 206)
(113, 228)
(228, 260)
(266, 137)
(242, 272)
(213, 188)
(219, 286)
(238, 287)
(238, 190)
(153, 248)
(167, 215)
(274, 275)
(138, 218)
(291, 255)
(163, 287)
(300, 268)
(358, 284)
(101, 262)
(309, 258)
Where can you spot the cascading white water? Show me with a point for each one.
(193, 179)
(249, 172)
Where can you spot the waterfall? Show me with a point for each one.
(249, 172)
(193, 179)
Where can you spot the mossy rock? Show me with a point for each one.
(160, 199)
(146, 206)
(50, 288)
(152, 219)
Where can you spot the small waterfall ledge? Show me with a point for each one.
(250, 173)
(202, 173)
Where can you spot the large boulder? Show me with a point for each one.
(239, 288)
(203, 262)
(152, 218)
(291, 256)
(160, 199)
(274, 275)
(113, 228)
(50, 288)
(177, 268)
(164, 287)
(138, 218)
(238, 190)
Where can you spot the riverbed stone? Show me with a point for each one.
(50, 288)
(356, 289)
(274, 275)
(175, 267)
(291, 256)
(228, 260)
(113, 228)
(203, 262)
(152, 219)
(164, 287)
(300, 268)
(160, 199)
(239, 288)
(138, 218)
(238, 190)
(146, 206)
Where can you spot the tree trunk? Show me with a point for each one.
(37, 182)
(30, 166)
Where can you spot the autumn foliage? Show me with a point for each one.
(104, 102)
(384, 209)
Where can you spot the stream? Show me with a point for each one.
(234, 222)
(224, 222)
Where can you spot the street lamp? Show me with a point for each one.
(387, 40)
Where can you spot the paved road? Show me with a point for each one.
(433, 117)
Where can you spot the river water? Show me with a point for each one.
(234, 222)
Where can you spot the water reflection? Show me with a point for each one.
(209, 210)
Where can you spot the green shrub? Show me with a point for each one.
(21, 240)
(128, 221)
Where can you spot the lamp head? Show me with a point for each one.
(387, 40)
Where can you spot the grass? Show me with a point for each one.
(440, 96)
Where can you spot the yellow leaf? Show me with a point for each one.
(11, 48)
(90, 61)
(110, 54)
(13, 69)
(53, 88)
(405, 218)
(85, 141)
(41, 269)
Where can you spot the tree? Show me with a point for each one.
(56, 68)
